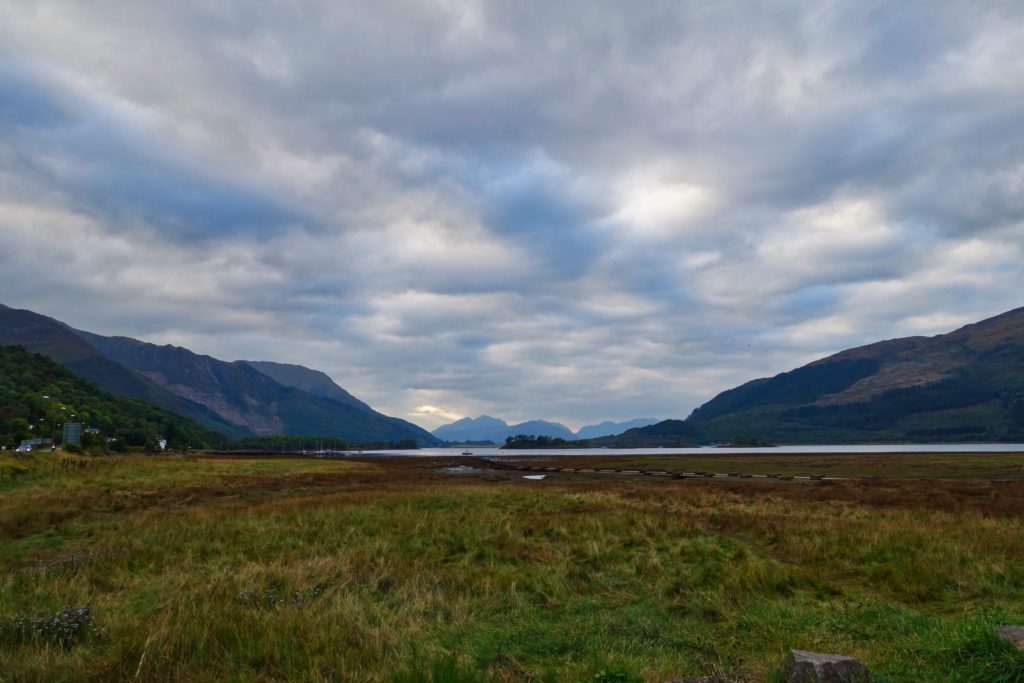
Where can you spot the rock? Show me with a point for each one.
(815, 667)
(717, 678)
(1014, 635)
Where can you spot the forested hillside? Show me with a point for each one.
(37, 396)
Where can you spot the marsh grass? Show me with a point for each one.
(307, 570)
(984, 466)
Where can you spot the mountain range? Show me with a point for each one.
(233, 398)
(486, 428)
(967, 385)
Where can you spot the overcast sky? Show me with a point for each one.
(570, 210)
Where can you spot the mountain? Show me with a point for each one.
(319, 384)
(39, 334)
(541, 428)
(234, 399)
(967, 385)
(248, 398)
(483, 428)
(37, 395)
(610, 428)
(487, 428)
(311, 381)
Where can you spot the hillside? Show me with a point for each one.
(307, 379)
(609, 428)
(55, 340)
(967, 385)
(234, 399)
(250, 399)
(37, 395)
(320, 384)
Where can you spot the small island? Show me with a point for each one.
(528, 442)
(744, 441)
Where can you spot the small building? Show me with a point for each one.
(72, 434)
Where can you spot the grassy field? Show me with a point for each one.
(985, 466)
(391, 570)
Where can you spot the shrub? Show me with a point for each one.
(63, 628)
(614, 674)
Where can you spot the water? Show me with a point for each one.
(493, 451)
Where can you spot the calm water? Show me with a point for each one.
(862, 448)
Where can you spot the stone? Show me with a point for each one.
(717, 678)
(816, 667)
(1014, 635)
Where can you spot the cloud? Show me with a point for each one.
(577, 212)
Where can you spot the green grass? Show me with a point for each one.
(307, 570)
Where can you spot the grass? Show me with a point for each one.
(310, 570)
(888, 466)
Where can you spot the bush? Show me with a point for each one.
(63, 628)
(614, 674)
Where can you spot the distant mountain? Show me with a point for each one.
(37, 395)
(541, 428)
(610, 428)
(234, 399)
(487, 428)
(967, 385)
(667, 433)
(483, 428)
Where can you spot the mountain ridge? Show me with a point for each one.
(41, 334)
(610, 428)
(320, 384)
(232, 398)
(309, 380)
(248, 398)
(967, 384)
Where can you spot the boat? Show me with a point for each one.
(467, 452)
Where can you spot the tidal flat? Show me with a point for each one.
(392, 569)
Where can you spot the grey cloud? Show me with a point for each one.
(574, 211)
(113, 168)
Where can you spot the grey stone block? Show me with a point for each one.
(816, 667)
(1013, 635)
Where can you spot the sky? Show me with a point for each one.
(572, 210)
